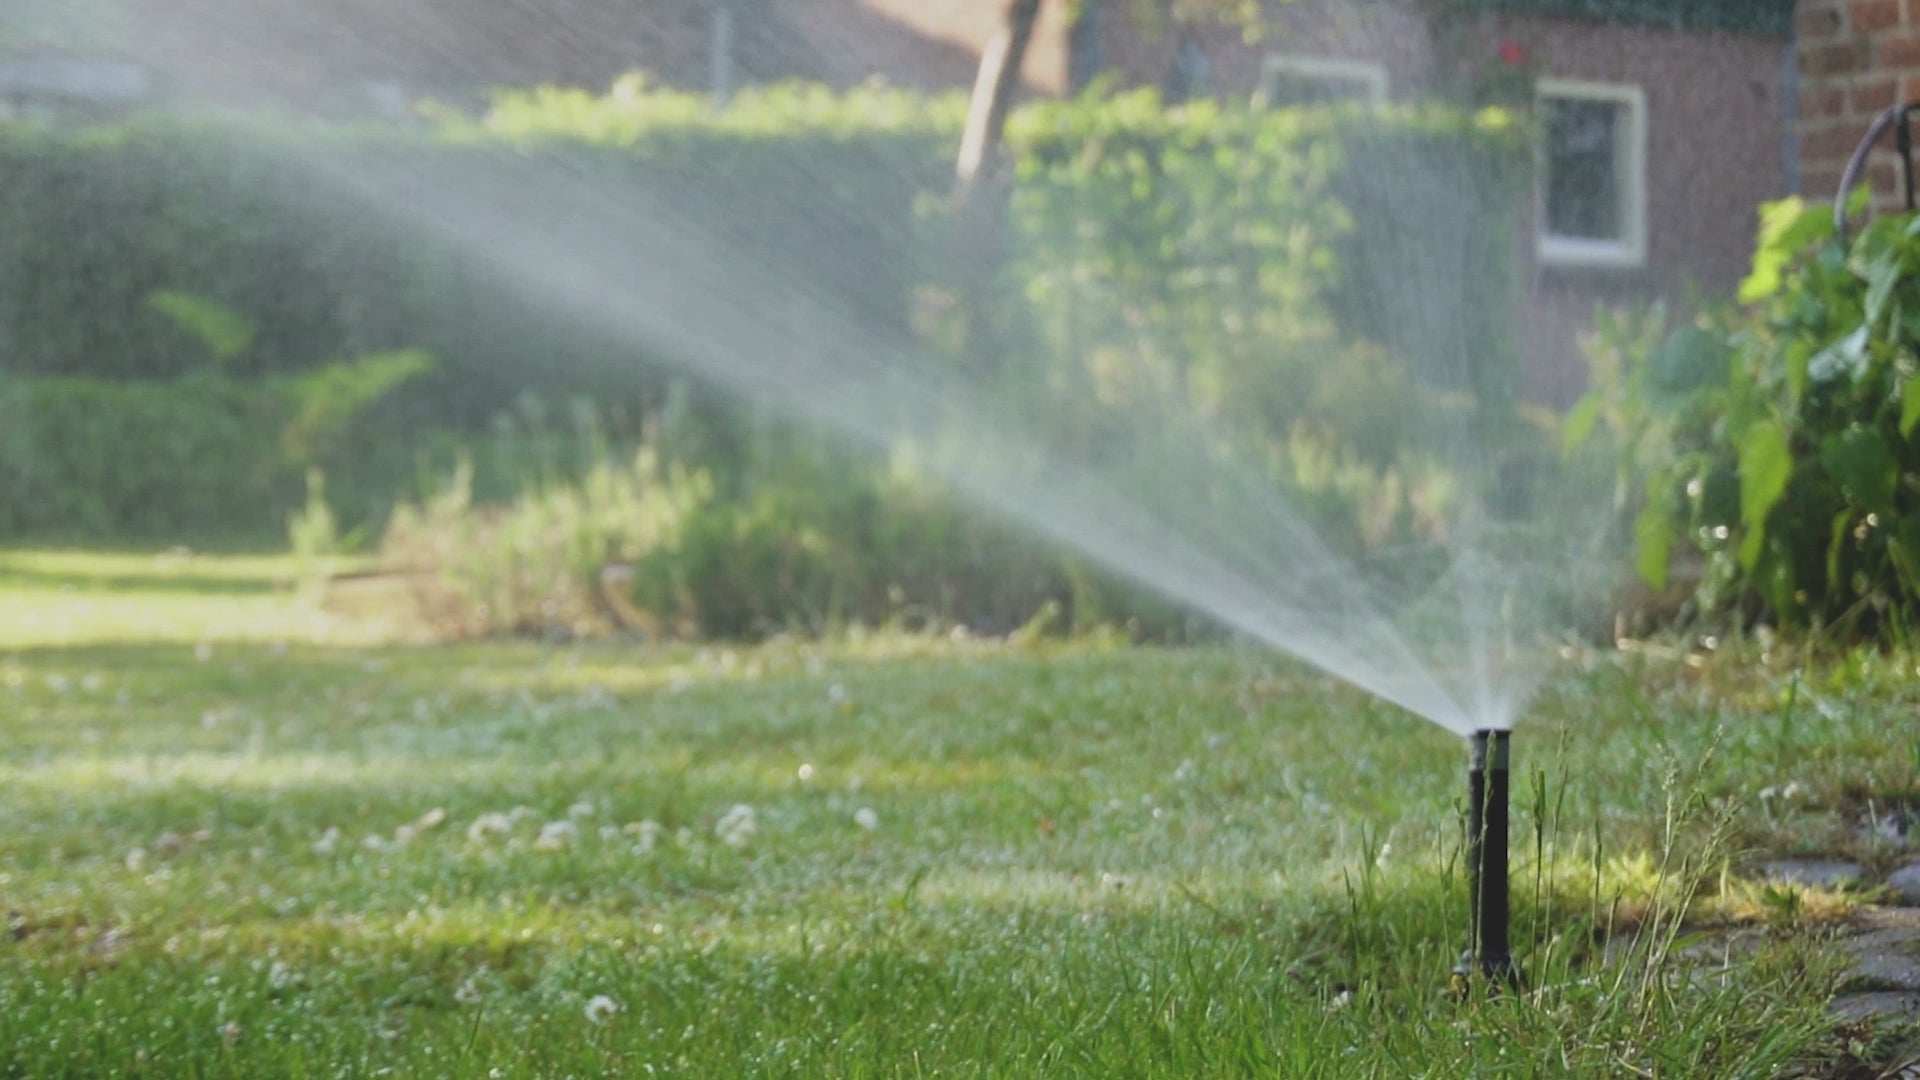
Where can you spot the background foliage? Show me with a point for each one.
(1298, 279)
(1773, 444)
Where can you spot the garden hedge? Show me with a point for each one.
(1390, 230)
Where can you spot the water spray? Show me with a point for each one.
(1489, 954)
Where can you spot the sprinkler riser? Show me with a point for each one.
(1489, 952)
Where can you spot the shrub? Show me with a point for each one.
(201, 456)
(1776, 441)
(812, 537)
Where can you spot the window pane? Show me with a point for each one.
(1583, 189)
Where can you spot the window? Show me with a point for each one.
(1593, 174)
(1312, 80)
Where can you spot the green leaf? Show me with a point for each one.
(1910, 405)
(1580, 422)
(1787, 228)
(226, 333)
(1859, 461)
(1766, 464)
(1884, 274)
(1837, 545)
(1689, 360)
(1653, 542)
(1846, 358)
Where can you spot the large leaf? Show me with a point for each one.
(1884, 274)
(1859, 461)
(1579, 424)
(1692, 358)
(1766, 464)
(1910, 405)
(1787, 228)
(1844, 359)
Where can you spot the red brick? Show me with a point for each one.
(1820, 182)
(1835, 141)
(1822, 102)
(1842, 58)
(1870, 97)
(1873, 16)
(1896, 51)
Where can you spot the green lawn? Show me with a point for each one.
(246, 838)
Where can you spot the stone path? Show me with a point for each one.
(1883, 944)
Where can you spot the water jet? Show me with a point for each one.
(1489, 954)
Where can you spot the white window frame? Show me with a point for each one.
(1370, 77)
(1630, 250)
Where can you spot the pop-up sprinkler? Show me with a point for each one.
(1489, 954)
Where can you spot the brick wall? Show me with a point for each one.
(1857, 59)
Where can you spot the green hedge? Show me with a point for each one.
(1287, 264)
(263, 221)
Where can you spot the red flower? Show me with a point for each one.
(1512, 53)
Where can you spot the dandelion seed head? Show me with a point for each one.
(555, 835)
(601, 1008)
(736, 827)
(487, 826)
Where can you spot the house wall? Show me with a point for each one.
(1717, 108)
(1857, 58)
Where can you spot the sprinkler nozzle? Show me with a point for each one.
(1489, 954)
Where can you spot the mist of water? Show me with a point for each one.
(1459, 632)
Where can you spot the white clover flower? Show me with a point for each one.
(328, 843)
(866, 818)
(609, 832)
(403, 836)
(137, 858)
(806, 772)
(647, 833)
(555, 835)
(279, 976)
(373, 843)
(601, 1009)
(581, 809)
(487, 826)
(468, 993)
(735, 827)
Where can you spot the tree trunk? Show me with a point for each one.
(976, 239)
(993, 93)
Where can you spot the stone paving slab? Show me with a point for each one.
(1905, 883)
(1878, 1005)
(1815, 873)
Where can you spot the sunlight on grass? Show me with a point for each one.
(66, 598)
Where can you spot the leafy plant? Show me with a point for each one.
(1776, 439)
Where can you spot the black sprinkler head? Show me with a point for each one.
(1489, 954)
